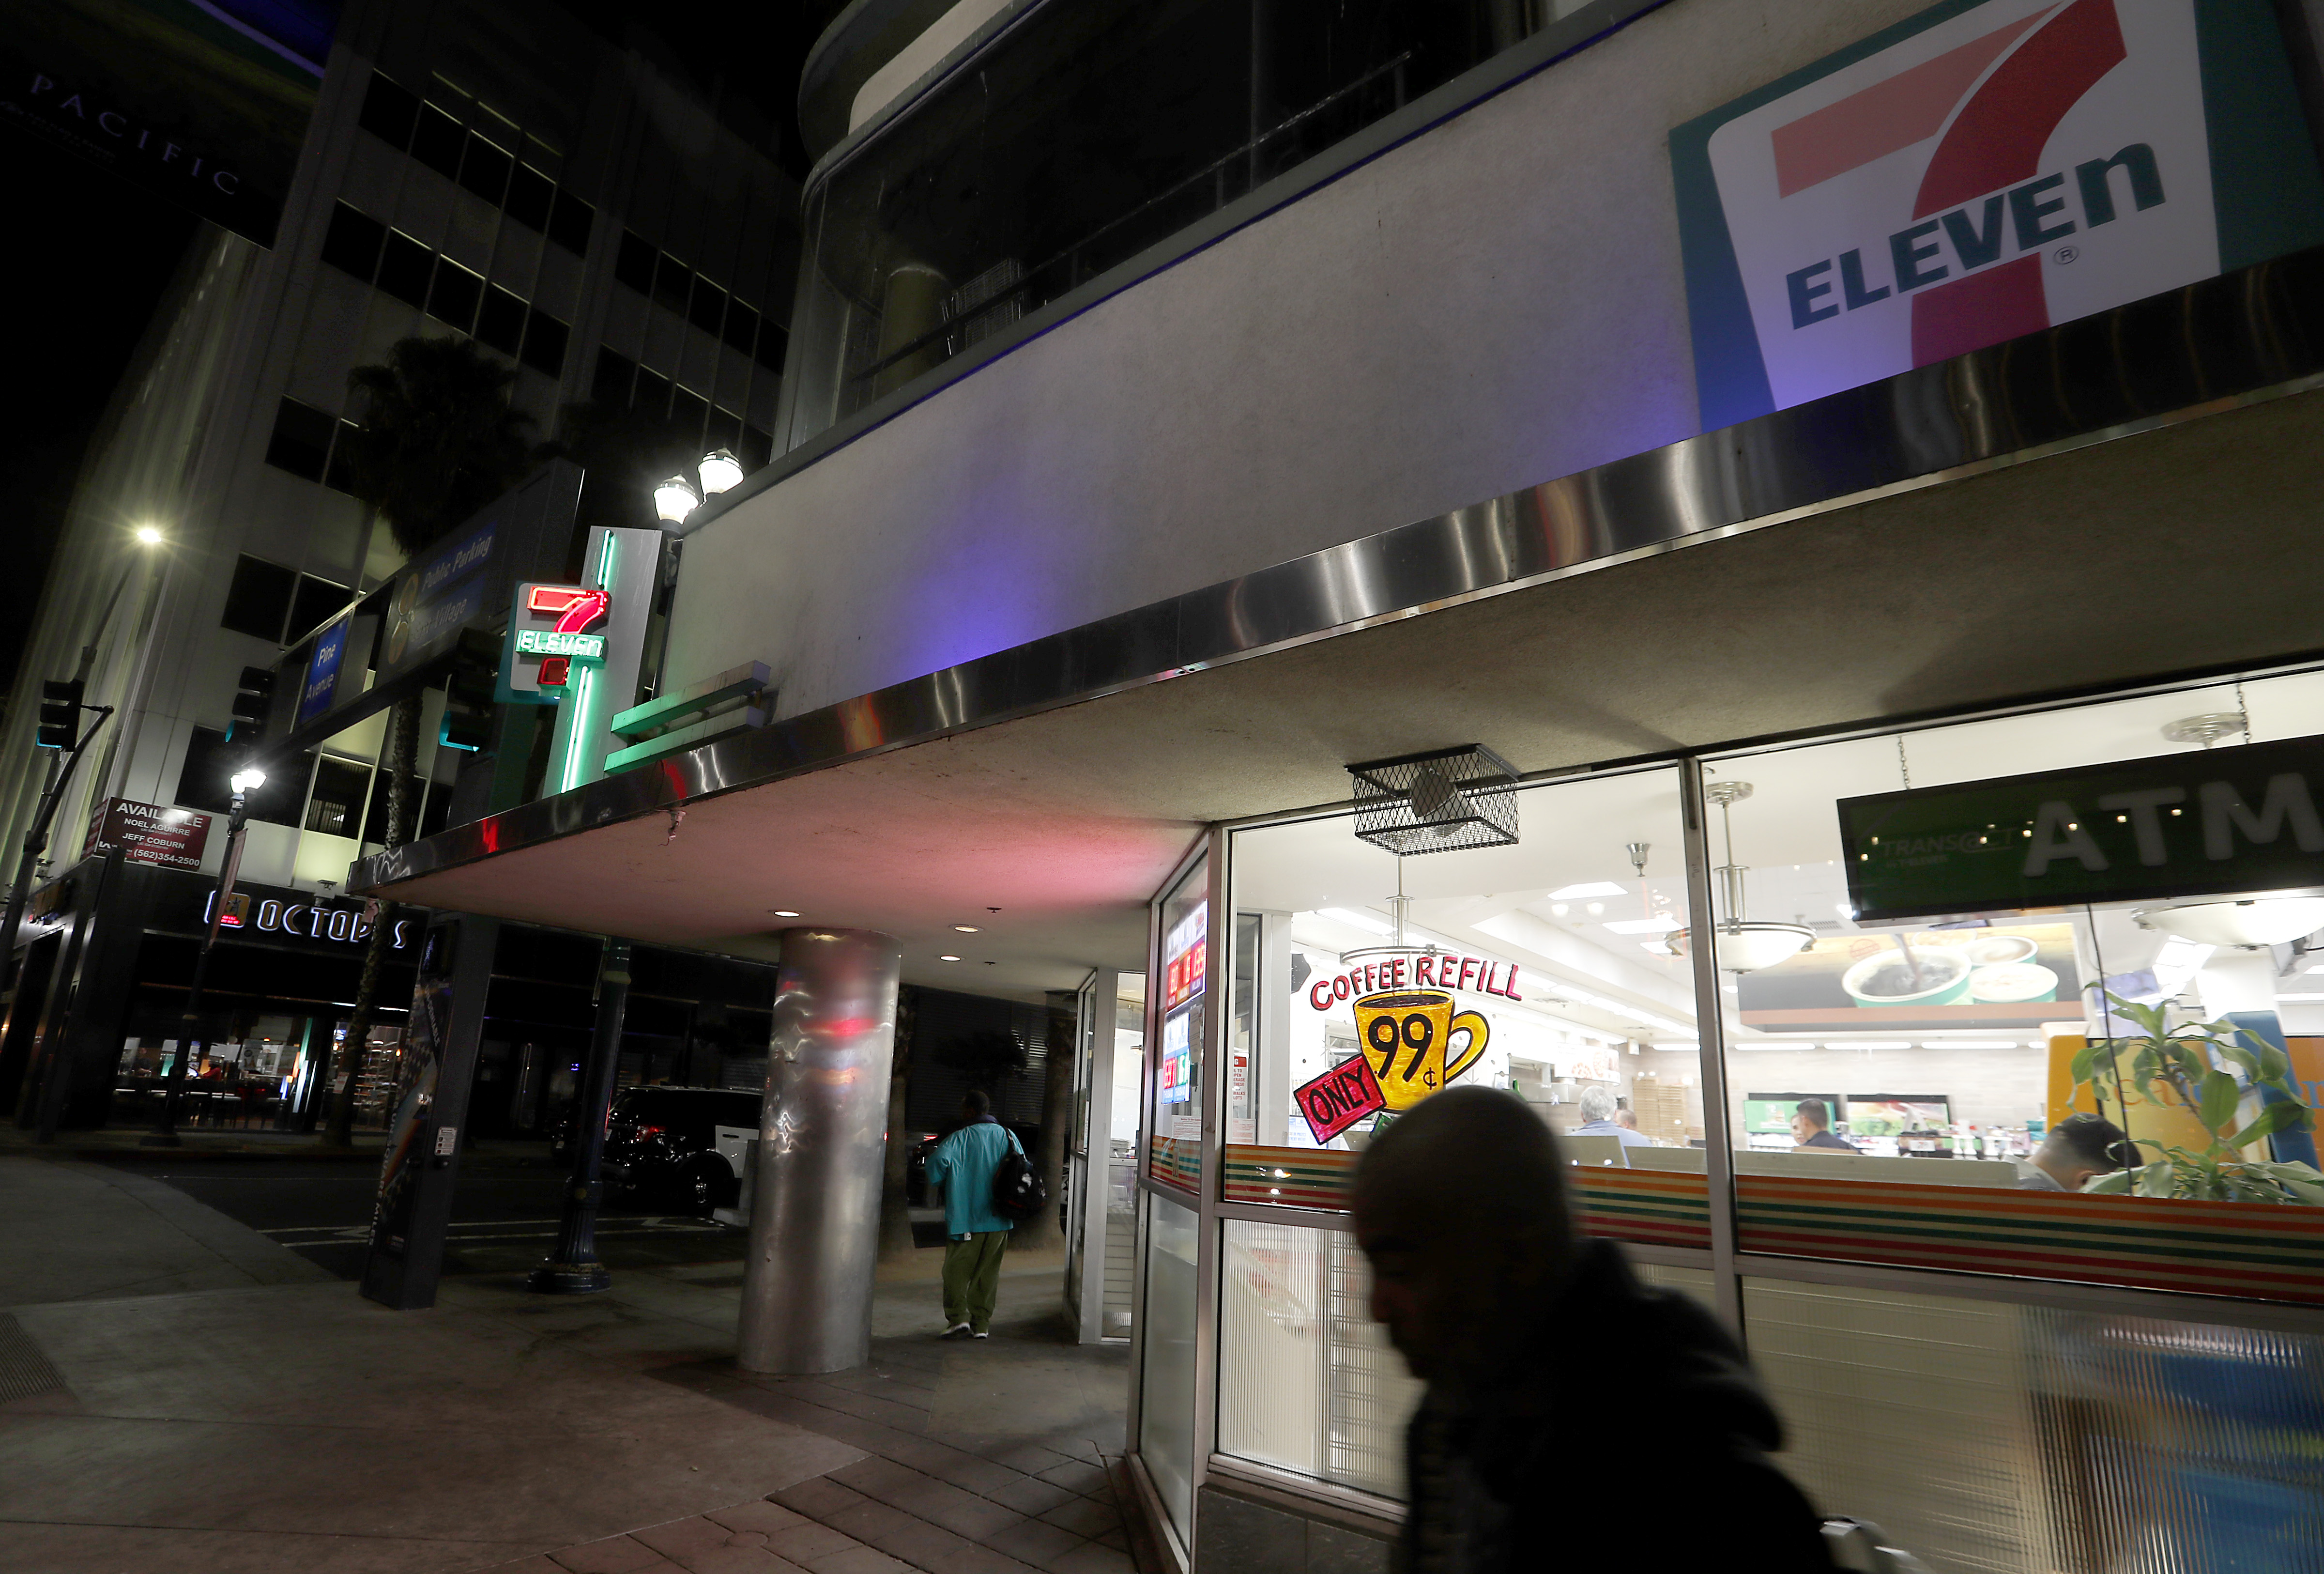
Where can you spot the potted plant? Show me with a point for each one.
(2186, 1066)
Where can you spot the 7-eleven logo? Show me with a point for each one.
(2017, 164)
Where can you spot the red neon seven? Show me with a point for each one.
(577, 607)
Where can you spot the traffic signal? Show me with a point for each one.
(59, 726)
(468, 690)
(253, 700)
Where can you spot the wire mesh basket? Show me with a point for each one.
(1440, 801)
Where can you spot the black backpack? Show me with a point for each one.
(1017, 1189)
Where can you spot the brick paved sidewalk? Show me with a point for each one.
(1031, 1488)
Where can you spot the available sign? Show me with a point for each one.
(1978, 173)
(2214, 820)
(147, 833)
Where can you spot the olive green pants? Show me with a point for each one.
(971, 1278)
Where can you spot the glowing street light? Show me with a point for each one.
(719, 470)
(675, 498)
(246, 781)
(148, 535)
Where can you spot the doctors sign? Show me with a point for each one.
(1978, 173)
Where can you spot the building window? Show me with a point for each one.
(741, 326)
(259, 598)
(301, 443)
(569, 223)
(317, 601)
(544, 343)
(485, 170)
(688, 409)
(406, 268)
(454, 296)
(341, 474)
(500, 323)
(529, 197)
(774, 340)
(437, 140)
(610, 386)
(633, 265)
(440, 139)
(336, 806)
(708, 307)
(654, 392)
(672, 279)
(389, 112)
(352, 244)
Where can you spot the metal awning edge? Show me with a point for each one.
(1928, 427)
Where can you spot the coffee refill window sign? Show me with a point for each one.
(1417, 1030)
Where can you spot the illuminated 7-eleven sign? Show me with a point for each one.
(549, 636)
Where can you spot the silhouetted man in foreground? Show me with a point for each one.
(1553, 1375)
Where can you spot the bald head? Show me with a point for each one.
(1460, 1207)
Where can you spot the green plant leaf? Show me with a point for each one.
(2240, 1056)
(2083, 1057)
(2271, 1119)
(2115, 1183)
(2274, 1065)
(2219, 1098)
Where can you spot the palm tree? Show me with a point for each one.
(439, 441)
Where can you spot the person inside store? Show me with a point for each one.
(976, 1234)
(2078, 1150)
(1544, 1357)
(1598, 1120)
(1812, 1128)
(1628, 1119)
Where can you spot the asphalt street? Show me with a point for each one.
(504, 1211)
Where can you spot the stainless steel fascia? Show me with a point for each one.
(2262, 338)
(814, 1201)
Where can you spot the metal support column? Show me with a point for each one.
(1097, 1155)
(815, 1203)
(1710, 1038)
(433, 1075)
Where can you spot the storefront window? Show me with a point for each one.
(1365, 982)
(1178, 1123)
(1166, 1414)
(1936, 948)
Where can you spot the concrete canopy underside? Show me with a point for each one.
(2183, 551)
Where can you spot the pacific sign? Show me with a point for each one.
(1980, 172)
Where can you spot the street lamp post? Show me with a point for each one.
(573, 1268)
(245, 782)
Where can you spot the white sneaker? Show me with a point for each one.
(980, 1336)
(958, 1330)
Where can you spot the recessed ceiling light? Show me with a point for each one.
(782, 912)
(965, 928)
(1587, 888)
(948, 958)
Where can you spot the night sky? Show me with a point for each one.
(94, 256)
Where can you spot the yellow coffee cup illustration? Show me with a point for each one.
(1408, 1037)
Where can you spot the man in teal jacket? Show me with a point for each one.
(976, 1235)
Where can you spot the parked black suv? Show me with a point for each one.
(664, 1141)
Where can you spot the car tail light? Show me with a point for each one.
(647, 1131)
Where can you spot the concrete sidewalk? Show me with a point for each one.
(179, 1394)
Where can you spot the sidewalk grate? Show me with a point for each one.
(25, 1370)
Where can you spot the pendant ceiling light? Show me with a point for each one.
(2256, 921)
(1743, 946)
